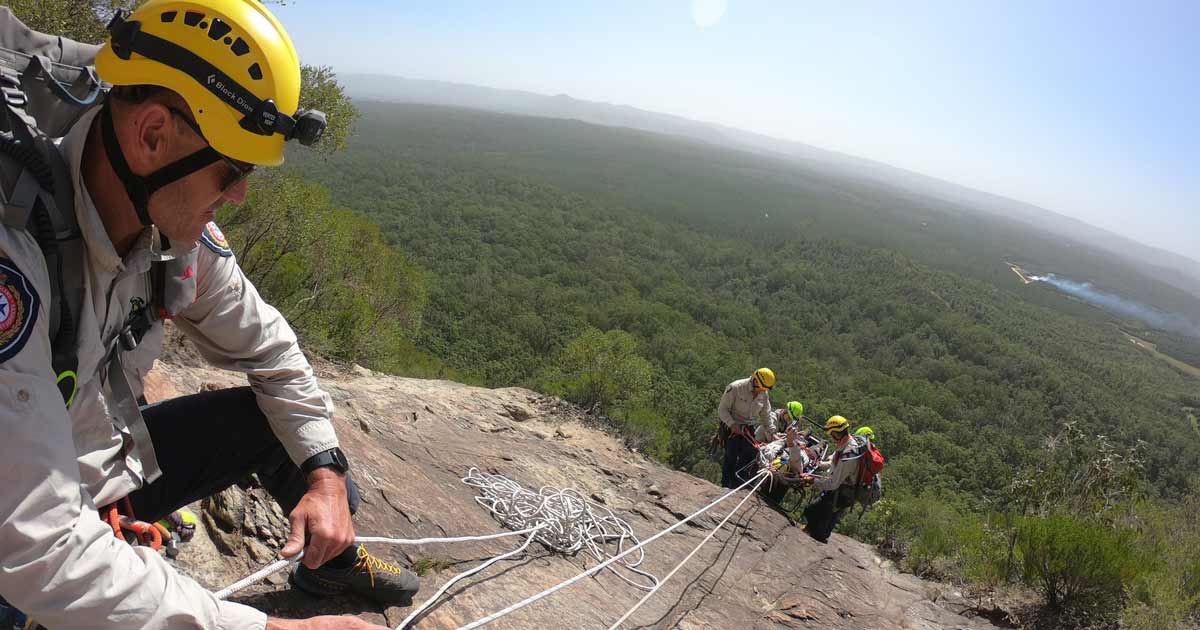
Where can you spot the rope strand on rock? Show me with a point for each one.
(465, 574)
(283, 563)
(707, 538)
(561, 519)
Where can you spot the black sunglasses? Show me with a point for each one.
(239, 170)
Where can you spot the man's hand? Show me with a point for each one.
(323, 518)
(330, 622)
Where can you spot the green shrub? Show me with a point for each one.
(933, 535)
(1071, 558)
(1159, 601)
(1166, 591)
(600, 371)
(646, 430)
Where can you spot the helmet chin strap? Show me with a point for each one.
(139, 188)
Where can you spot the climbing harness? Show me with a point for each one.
(140, 532)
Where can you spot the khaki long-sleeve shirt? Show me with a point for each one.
(740, 405)
(59, 562)
(842, 466)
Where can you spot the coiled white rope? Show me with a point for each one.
(596, 569)
(707, 538)
(562, 520)
(569, 522)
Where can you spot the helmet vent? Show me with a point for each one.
(168, 16)
(256, 72)
(192, 18)
(240, 47)
(218, 29)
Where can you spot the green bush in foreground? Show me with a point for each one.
(1070, 558)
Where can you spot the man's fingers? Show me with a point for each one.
(295, 541)
(317, 552)
(324, 542)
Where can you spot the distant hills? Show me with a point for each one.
(1168, 267)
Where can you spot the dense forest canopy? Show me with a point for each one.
(715, 261)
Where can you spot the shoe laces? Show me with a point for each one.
(371, 564)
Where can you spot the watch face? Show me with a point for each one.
(333, 458)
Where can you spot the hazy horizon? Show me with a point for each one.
(1081, 109)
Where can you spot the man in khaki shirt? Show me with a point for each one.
(837, 485)
(745, 412)
(205, 91)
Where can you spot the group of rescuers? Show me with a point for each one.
(747, 422)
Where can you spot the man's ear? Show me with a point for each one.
(149, 134)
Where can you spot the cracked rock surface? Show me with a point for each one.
(410, 442)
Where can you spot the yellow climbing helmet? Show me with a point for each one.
(230, 60)
(836, 424)
(866, 432)
(764, 378)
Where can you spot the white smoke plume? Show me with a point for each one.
(1169, 322)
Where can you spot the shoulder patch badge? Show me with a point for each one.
(18, 309)
(214, 239)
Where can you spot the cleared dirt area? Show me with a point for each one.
(1153, 349)
(1020, 273)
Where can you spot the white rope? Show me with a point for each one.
(465, 574)
(569, 521)
(707, 538)
(561, 519)
(596, 569)
(283, 563)
(429, 541)
(272, 568)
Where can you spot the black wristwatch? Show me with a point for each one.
(333, 458)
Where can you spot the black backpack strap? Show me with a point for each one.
(46, 85)
(41, 200)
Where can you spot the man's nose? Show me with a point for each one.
(236, 193)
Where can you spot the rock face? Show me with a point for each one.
(411, 441)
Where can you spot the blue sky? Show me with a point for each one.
(1090, 109)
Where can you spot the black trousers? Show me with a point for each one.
(209, 441)
(774, 491)
(823, 514)
(739, 454)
